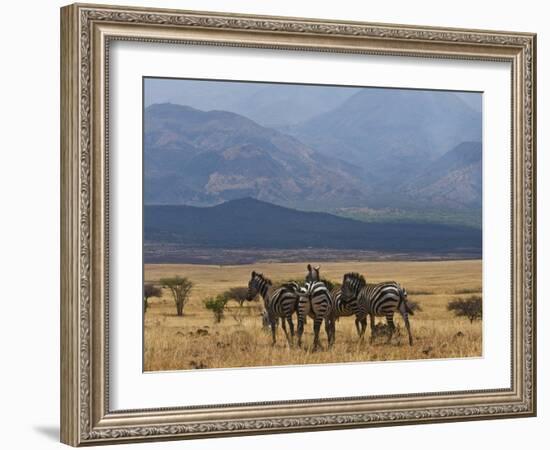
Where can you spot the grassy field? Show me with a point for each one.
(195, 341)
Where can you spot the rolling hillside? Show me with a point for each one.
(248, 223)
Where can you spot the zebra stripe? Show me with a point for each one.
(316, 302)
(380, 299)
(346, 308)
(278, 303)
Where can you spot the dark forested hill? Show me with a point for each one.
(248, 223)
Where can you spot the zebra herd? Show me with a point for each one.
(355, 297)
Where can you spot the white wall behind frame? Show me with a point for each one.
(30, 187)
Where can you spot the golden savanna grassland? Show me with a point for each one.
(195, 341)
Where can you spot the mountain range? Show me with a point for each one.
(407, 151)
(268, 104)
(393, 134)
(203, 158)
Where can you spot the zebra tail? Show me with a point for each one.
(403, 300)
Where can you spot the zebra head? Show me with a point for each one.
(258, 284)
(351, 285)
(313, 273)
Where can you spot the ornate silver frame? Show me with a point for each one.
(86, 31)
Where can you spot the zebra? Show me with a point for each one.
(377, 299)
(343, 307)
(316, 302)
(340, 308)
(312, 275)
(278, 303)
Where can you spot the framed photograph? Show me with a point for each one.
(276, 224)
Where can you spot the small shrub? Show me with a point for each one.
(149, 290)
(217, 306)
(470, 307)
(238, 294)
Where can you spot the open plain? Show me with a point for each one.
(196, 341)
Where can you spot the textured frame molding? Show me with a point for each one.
(86, 32)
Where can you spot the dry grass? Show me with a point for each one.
(194, 341)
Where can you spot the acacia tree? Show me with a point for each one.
(470, 307)
(180, 289)
(150, 290)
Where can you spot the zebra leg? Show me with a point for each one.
(291, 326)
(300, 330)
(408, 326)
(391, 326)
(358, 328)
(328, 330)
(363, 327)
(316, 328)
(273, 332)
(371, 317)
(283, 324)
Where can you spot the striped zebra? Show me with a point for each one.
(345, 308)
(340, 308)
(278, 303)
(315, 301)
(380, 299)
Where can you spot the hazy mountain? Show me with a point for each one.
(249, 223)
(453, 180)
(282, 105)
(378, 148)
(473, 99)
(202, 158)
(269, 104)
(392, 133)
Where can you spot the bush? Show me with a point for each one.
(217, 306)
(470, 307)
(180, 288)
(236, 293)
(149, 290)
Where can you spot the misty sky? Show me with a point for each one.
(239, 96)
